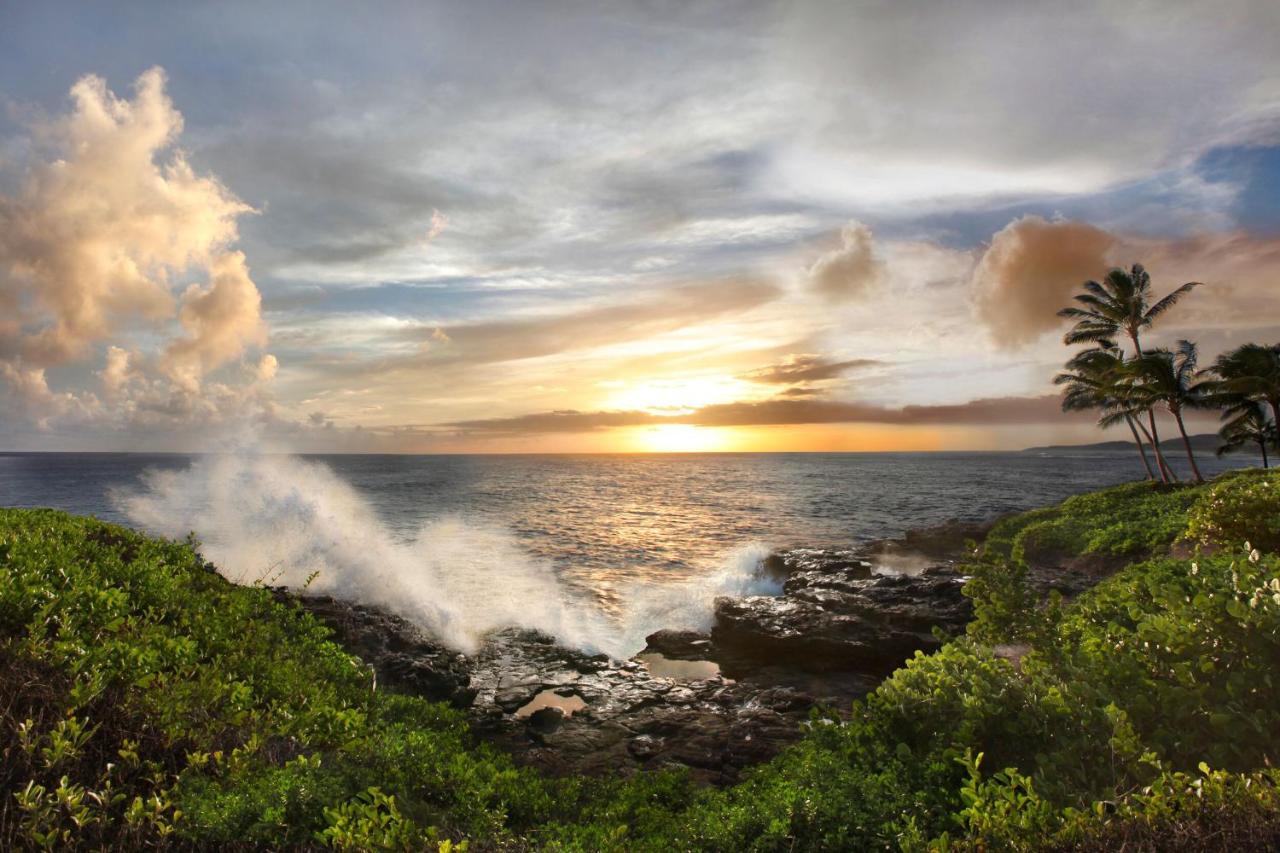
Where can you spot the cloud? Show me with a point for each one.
(988, 411)
(267, 368)
(851, 270)
(221, 321)
(994, 104)
(25, 389)
(665, 310)
(93, 245)
(1030, 270)
(782, 411)
(1239, 271)
(438, 223)
(799, 368)
(567, 420)
(93, 238)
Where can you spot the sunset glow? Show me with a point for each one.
(680, 438)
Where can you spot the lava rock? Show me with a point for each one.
(838, 625)
(829, 621)
(546, 719)
(679, 644)
(402, 655)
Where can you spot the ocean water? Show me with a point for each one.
(594, 549)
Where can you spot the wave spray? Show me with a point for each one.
(283, 520)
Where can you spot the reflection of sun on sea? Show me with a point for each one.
(679, 438)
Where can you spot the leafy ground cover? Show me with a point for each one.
(146, 702)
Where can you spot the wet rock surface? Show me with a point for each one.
(841, 616)
(403, 656)
(628, 718)
(741, 692)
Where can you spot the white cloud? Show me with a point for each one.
(852, 269)
(95, 243)
(220, 321)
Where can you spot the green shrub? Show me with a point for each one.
(1200, 810)
(1237, 510)
(1131, 520)
(145, 696)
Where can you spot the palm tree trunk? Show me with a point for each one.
(1142, 449)
(1166, 473)
(1160, 463)
(1186, 442)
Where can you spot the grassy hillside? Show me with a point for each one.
(144, 701)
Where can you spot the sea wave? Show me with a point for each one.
(283, 520)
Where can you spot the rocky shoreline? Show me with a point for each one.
(715, 703)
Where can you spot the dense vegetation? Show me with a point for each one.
(145, 701)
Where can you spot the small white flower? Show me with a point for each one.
(1254, 556)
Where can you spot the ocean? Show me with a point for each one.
(596, 549)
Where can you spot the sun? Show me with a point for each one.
(679, 438)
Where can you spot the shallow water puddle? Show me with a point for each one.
(685, 670)
(906, 563)
(567, 705)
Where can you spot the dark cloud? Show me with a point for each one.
(803, 367)
(567, 420)
(994, 411)
(990, 411)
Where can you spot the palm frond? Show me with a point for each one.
(1168, 302)
(1103, 307)
(1111, 418)
(1085, 333)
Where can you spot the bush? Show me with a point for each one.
(145, 697)
(1237, 510)
(1128, 521)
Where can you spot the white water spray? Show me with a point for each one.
(279, 519)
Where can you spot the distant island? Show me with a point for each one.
(1207, 442)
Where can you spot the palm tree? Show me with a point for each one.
(1162, 376)
(1094, 380)
(1250, 426)
(1249, 372)
(1121, 304)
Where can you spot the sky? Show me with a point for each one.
(612, 227)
